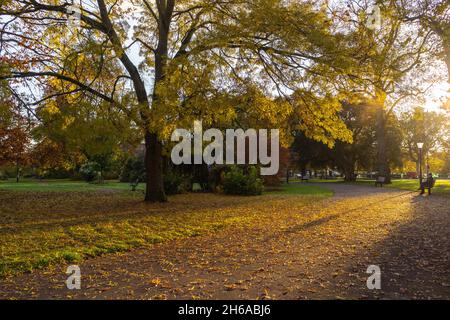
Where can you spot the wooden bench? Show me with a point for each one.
(305, 178)
(380, 182)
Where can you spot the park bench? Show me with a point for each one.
(305, 178)
(134, 185)
(380, 182)
(428, 185)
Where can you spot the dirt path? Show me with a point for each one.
(323, 255)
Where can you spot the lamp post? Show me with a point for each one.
(420, 146)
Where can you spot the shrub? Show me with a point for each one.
(272, 183)
(216, 176)
(89, 171)
(133, 169)
(3, 176)
(238, 182)
(56, 173)
(174, 183)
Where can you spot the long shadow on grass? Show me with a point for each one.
(323, 220)
(415, 258)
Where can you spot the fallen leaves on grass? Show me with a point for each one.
(44, 229)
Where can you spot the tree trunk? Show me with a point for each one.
(447, 61)
(17, 171)
(350, 175)
(154, 167)
(153, 147)
(382, 160)
(101, 178)
(445, 36)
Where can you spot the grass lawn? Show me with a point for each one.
(442, 186)
(63, 186)
(45, 224)
(294, 188)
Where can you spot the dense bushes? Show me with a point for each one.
(216, 177)
(242, 182)
(175, 183)
(233, 180)
(59, 173)
(133, 169)
(3, 175)
(89, 171)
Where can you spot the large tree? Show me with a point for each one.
(388, 52)
(195, 53)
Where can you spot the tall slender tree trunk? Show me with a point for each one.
(382, 158)
(444, 34)
(446, 42)
(447, 60)
(17, 171)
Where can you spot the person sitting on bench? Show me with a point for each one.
(380, 181)
(306, 177)
(427, 184)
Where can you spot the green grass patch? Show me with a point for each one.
(442, 186)
(294, 188)
(64, 186)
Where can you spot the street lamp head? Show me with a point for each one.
(420, 145)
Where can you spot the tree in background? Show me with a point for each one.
(86, 131)
(430, 128)
(348, 157)
(14, 133)
(446, 166)
(53, 158)
(311, 154)
(359, 154)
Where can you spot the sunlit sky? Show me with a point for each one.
(437, 96)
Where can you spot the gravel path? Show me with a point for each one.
(323, 253)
